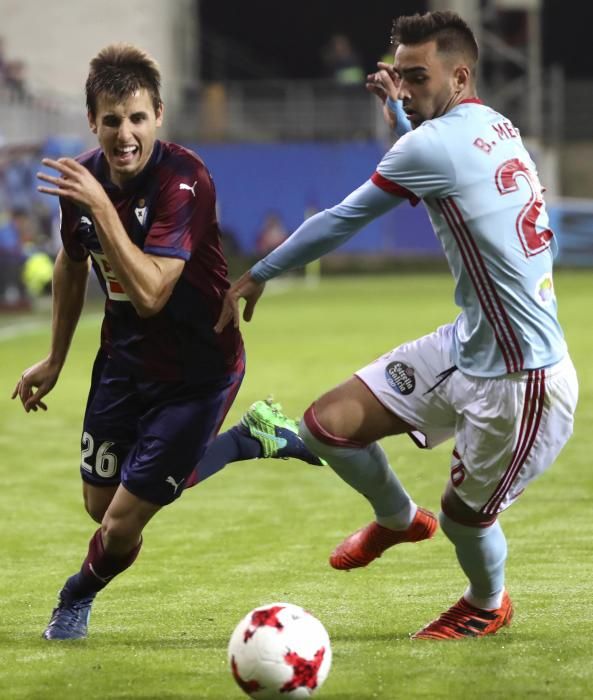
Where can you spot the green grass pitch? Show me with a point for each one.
(261, 531)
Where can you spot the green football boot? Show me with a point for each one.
(277, 434)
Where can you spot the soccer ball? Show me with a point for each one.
(279, 651)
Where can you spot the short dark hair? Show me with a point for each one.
(448, 29)
(120, 70)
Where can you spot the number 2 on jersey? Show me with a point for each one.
(507, 174)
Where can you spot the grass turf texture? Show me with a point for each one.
(262, 531)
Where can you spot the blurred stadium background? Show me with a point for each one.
(272, 96)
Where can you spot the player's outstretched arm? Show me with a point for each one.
(246, 287)
(315, 237)
(68, 290)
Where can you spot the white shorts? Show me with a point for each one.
(507, 430)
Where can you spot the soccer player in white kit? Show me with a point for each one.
(498, 379)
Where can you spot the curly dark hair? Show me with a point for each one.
(119, 70)
(448, 29)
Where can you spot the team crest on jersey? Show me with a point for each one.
(400, 377)
(141, 211)
(544, 290)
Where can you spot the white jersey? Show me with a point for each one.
(484, 199)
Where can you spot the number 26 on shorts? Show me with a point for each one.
(105, 463)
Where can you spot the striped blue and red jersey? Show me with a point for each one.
(482, 192)
(169, 210)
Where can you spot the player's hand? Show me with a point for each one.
(74, 182)
(244, 288)
(35, 383)
(384, 83)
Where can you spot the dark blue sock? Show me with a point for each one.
(232, 446)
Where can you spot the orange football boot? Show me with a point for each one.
(371, 541)
(463, 620)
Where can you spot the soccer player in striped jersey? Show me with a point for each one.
(498, 379)
(143, 212)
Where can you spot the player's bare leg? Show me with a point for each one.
(97, 499)
(352, 413)
(124, 521)
(343, 427)
(481, 550)
(112, 549)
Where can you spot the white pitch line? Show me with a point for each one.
(18, 330)
(285, 285)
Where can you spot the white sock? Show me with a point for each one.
(482, 553)
(400, 520)
(367, 470)
(491, 603)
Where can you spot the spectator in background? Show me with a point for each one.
(34, 265)
(18, 175)
(272, 233)
(13, 72)
(13, 295)
(342, 63)
(26, 229)
(15, 80)
(2, 60)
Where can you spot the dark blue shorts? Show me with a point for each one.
(149, 436)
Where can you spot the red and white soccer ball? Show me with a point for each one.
(279, 651)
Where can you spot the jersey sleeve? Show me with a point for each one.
(417, 166)
(181, 210)
(69, 223)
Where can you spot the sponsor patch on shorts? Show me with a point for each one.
(400, 377)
